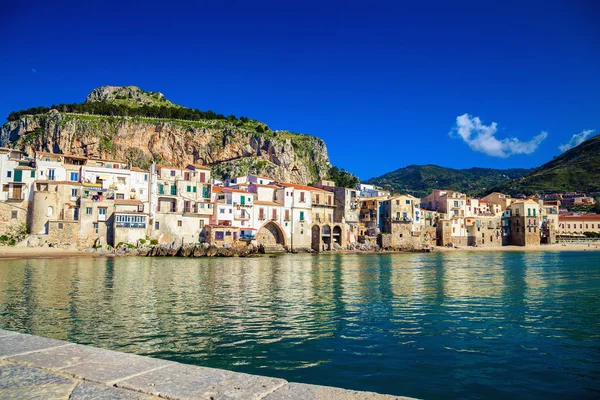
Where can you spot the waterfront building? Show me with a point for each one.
(16, 180)
(484, 230)
(182, 206)
(525, 223)
(578, 224)
(501, 199)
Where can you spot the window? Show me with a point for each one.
(221, 211)
(88, 211)
(188, 188)
(50, 174)
(95, 226)
(301, 215)
(60, 225)
(172, 172)
(201, 223)
(179, 223)
(8, 174)
(317, 198)
(101, 211)
(194, 189)
(228, 233)
(74, 177)
(74, 192)
(219, 236)
(397, 202)
(161, 188)
(145, 177)
(187, 206)
(407, 201)
(231, 211)
(33, 174)
(287, 215)
(202, 177)
(261, 213)
(529, 212)
(173, 190)
(301, 197)
(14, 214)
(50, 211)
(156, 225)
(120, 196)
(186, 176)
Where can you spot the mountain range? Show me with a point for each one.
(576, 170)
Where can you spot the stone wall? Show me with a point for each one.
(63, 233)
(12, 218)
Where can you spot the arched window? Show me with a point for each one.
(50, 211)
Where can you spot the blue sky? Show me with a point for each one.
(383, 84)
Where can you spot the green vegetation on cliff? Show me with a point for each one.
(420, 180)
(576, 170)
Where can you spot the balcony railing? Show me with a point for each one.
(132, 225)
(15, 197)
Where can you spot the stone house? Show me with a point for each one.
(484, 231)
(525, 223)
(16, 180)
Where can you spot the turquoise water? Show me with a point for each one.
(434, 326)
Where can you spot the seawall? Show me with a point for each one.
(39, 367)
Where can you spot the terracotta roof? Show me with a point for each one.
(267, 186)
(584, 217)
(138, 169)
(268, 203)
(217, 189)
(199, 166)
(234, 190)
(59, 182)
(299, 187)
(128, 202)
(168, 167)
(25, 167)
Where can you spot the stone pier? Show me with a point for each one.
(33, 367)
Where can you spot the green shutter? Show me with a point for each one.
(173, 190)
(189, 188)
(18, 175)
(301, 215)
(194, 189)
(33, 174)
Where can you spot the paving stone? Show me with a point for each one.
(111, 366)
(96, 391)
(191, 382)
(21, 343)
(296, 391)
(22, 382)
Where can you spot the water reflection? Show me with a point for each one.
(478, 325)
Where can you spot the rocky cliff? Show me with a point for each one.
(230, 147)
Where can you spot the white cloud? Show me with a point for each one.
(576, 140)
(482, 138)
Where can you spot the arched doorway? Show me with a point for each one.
(270, 234)
(326, 236)
(315, 243)
(337, 235)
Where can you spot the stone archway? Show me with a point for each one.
(337, 235)
(326, 236)
(270, 234)
(315, 243)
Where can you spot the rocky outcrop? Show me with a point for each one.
(126, 95)
(229, 148)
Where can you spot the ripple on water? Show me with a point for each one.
(452, 325)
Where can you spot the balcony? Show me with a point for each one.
(15, 197)
(131, 225)
(242, 216)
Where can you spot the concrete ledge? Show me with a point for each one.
(37, 367)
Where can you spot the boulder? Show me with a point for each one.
(199, 251)
(337, 247)
(212, 251)
(225, 252)
(186, 250)
(144, 251)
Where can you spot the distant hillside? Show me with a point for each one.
(577, 169)
(420, 180)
